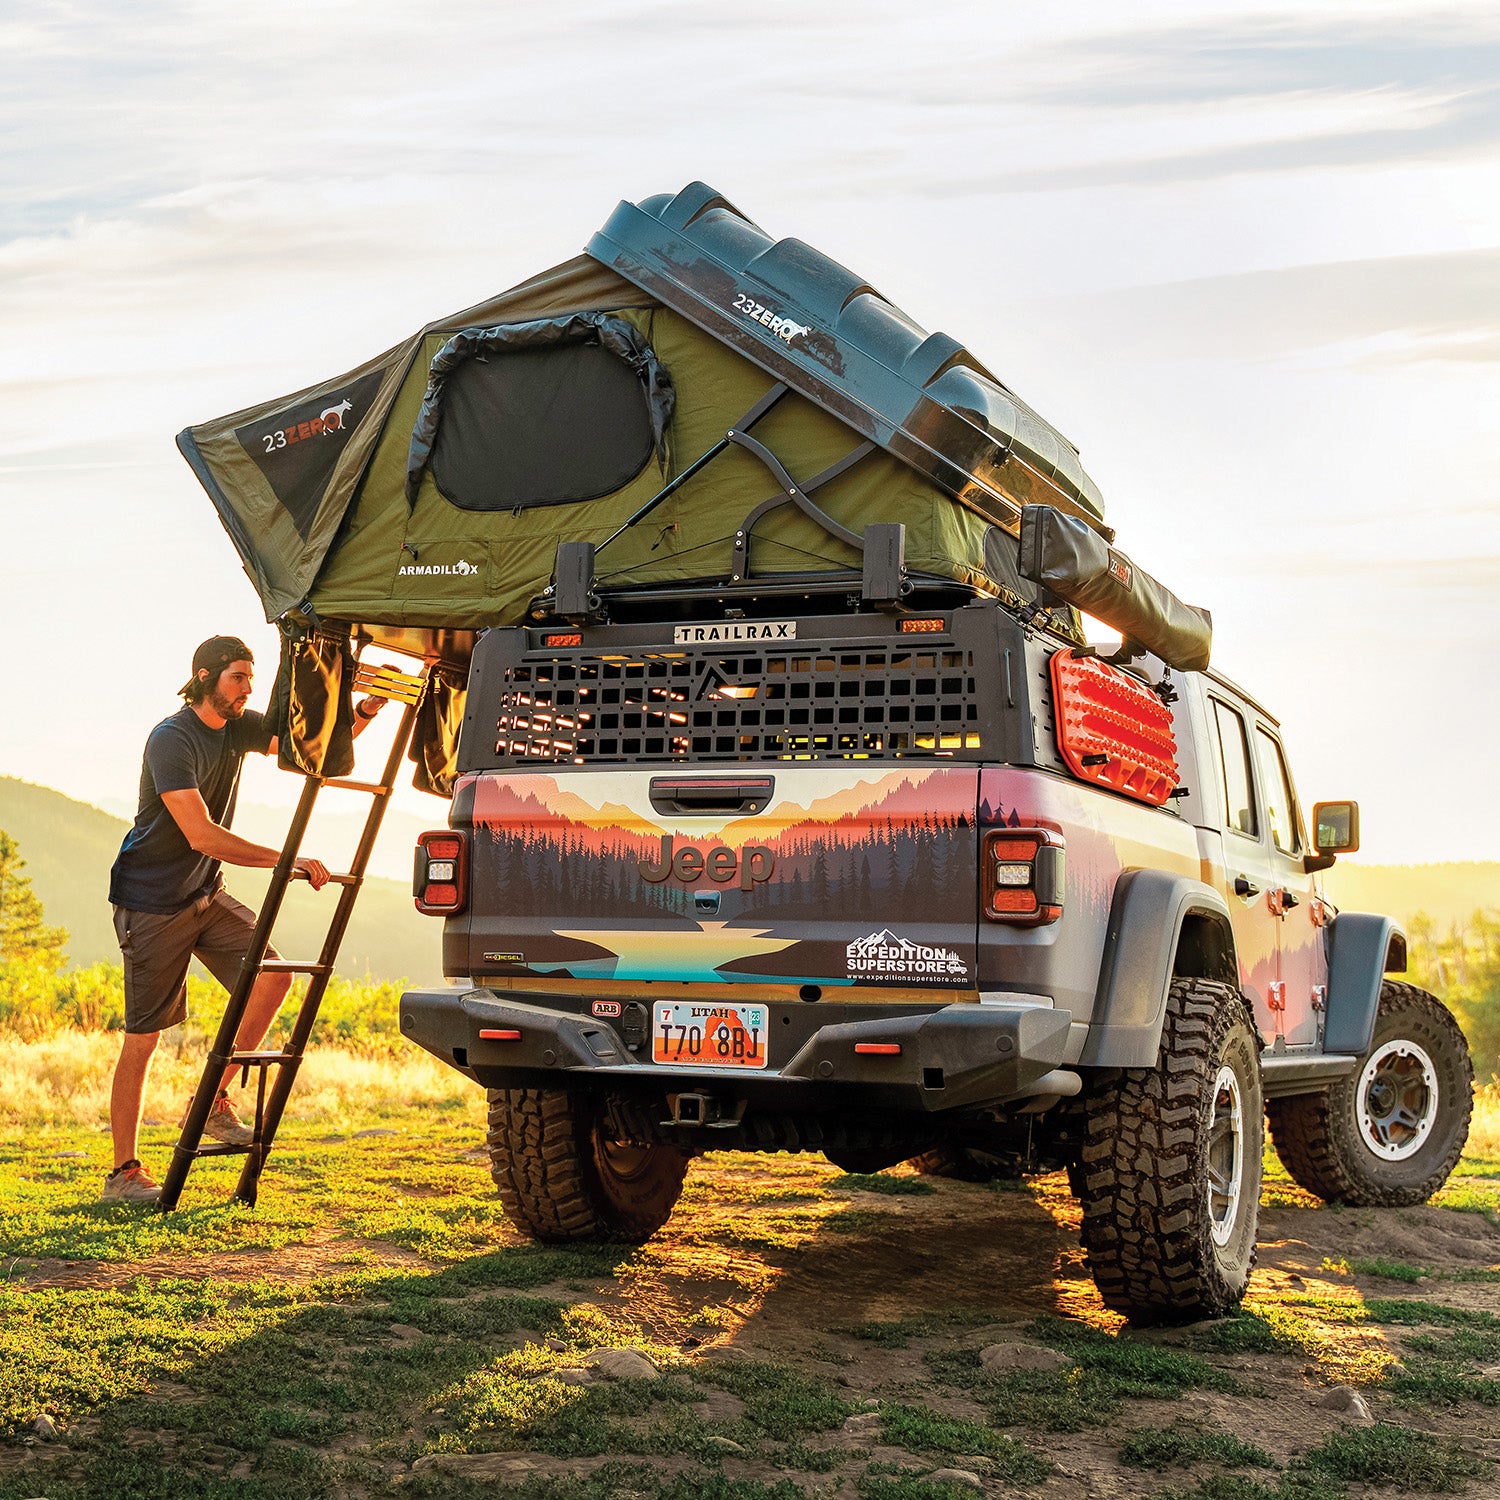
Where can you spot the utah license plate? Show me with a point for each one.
(685, 1033)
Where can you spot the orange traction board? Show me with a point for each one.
(1112, 729)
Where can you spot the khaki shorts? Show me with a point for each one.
(157, 950)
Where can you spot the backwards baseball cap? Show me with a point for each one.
(214, 655)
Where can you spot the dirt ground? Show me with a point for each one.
(785, 1260)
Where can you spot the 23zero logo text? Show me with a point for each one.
(331, 420)
(753, 864)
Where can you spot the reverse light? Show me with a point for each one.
(440, 873)
(1024, 876)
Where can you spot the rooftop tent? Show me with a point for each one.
(422, 496)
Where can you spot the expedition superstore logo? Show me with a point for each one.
(883, 954)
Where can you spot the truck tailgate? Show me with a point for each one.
(741, 874)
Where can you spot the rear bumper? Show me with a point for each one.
(954, 1056)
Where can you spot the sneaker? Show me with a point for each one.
(223, 1124)
(130, 1183)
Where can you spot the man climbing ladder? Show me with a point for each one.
(168, 896)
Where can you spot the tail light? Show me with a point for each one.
(440, 876)
(1024, 876)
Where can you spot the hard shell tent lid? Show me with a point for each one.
(831, 336)
(333, 505)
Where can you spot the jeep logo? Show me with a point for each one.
(753, 864)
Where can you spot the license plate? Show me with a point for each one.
(688, 1034)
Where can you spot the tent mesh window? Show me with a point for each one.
(794, 705)
(548, 426)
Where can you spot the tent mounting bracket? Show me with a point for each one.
(793, 493)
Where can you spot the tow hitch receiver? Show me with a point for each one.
(705, 1111)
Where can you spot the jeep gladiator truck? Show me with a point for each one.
(789, 809)
(771, 870)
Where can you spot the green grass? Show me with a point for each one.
(1387, 1454)
(1384, 1454)
(897, 1333)
(1179, 1448)
(880, 1182)
(1140, 1369)
(1237, 1487)
(1467, 1197)
(783, 1403)
(411, 1190)
(1250, 1330)
(910, 1486)
(1378, 1265)
(250, 1342)
(1108, 1370)
(919, 1430)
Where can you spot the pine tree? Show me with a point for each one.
(24, 936)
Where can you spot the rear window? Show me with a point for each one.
(1234, 762)
(1279, 801)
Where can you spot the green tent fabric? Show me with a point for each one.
(282, 474)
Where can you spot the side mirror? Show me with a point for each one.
(1335, 832)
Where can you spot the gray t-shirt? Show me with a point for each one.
(157, 870)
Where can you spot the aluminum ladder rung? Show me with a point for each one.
(387, 682)
(294, 966)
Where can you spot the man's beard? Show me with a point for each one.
(225, 707)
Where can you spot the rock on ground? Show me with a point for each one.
(1000, 1358)
(1350, 1405)
(956, 1476)
(621, 1364)
(477, 1465)
(863, 1424)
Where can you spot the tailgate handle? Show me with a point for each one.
(711, 794)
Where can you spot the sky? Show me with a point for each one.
(1246, 257)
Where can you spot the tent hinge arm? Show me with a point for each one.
(796, 494)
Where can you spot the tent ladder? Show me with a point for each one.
(272, 1092)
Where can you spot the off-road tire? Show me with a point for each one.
(561, 1178)
(1149, 1225)
(1318, 1136)
(960, 1164)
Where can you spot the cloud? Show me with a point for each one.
(1394, 309)
(1356, 91)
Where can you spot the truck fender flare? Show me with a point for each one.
(1361, 948)
(1146, 921)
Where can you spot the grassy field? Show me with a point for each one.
(374, 1327)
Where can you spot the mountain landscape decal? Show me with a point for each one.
(901, 842)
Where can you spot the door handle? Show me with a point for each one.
(706, 795)
(1244, 887)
